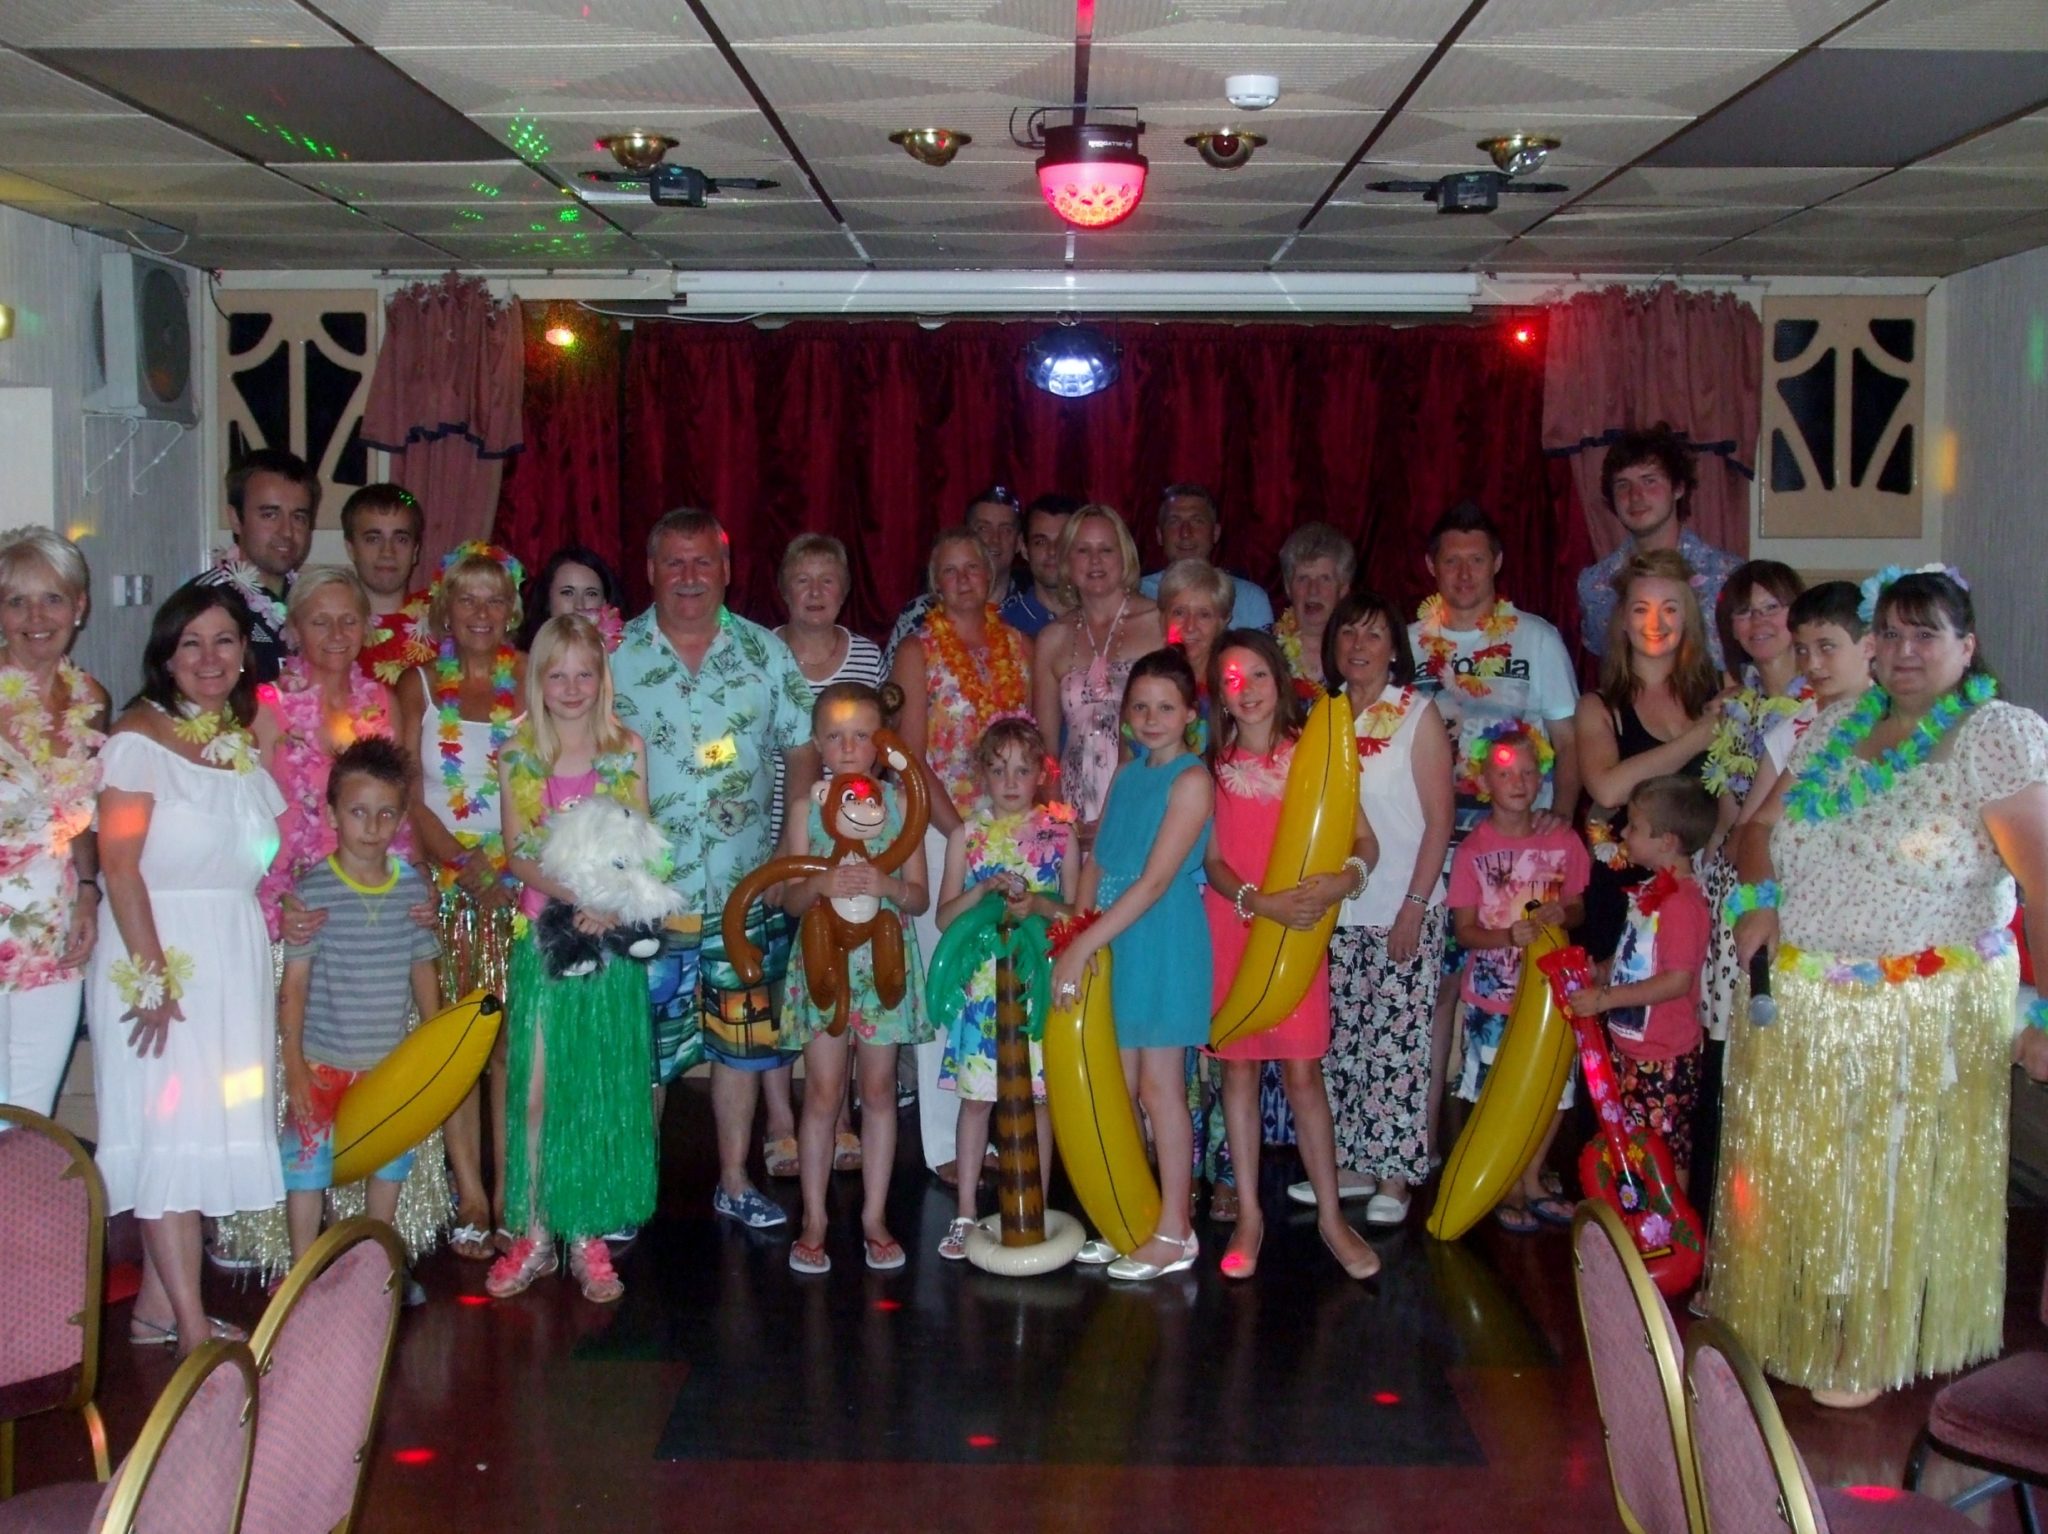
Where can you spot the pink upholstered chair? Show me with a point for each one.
(323, 1351)
(1634, 1351)
(1752, 1479)
(1996, 1419)
(187, 1472)
(53, 1246)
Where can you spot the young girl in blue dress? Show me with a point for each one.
(1148, 854)
(1016, 850)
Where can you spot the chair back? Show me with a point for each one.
(189, 1469)
(1752, 1479)
(323, 1352)
(53, 1247)
(1633, 1348)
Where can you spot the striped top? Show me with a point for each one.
(360, 992)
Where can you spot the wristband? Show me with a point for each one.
(146, 986)
(1421, 900)
(1241, 902)
(2037, 1013)
(1361, 875)
(1745, 898)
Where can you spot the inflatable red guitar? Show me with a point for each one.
(1629, 1168)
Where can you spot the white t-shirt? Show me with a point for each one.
(1535, 683)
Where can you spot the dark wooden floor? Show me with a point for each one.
(726, 1393)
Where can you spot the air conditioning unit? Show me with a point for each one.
(142, 332)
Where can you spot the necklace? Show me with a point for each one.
(1098, 668)
(248, 581)
(64, 758)
(1732, 758)
(1490, 660)
(398, 642)
(1287, 634)
(1381, 721)
(447, 702)
(1836, 782)
(1000, 691)
(223, 740)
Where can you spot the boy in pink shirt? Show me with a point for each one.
(1502, 869)
(1652, 996)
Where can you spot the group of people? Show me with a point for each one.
(363, 772)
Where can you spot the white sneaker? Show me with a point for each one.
(1386, 1209)
(1305, 1192)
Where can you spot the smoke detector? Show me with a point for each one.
(1251, 93)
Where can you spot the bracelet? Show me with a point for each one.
(2037, 1013)
(1241, 901)
(1421, 900)
(146, 986)
(1360, 874)
(1745, 898)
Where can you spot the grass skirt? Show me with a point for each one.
(595, 1169)
(1859, 1235)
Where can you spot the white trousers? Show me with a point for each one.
(37, 1031)
(938, 1111)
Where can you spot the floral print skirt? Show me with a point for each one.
(1381, 1014)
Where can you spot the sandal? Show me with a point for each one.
(472, 1242)
(1516, 1220)
(846, 1152)
(1551, 1211)
(590, 1260)
(780, 1156)
(954, 1247)
(883, 1256)
(808, 1259)
(147, 1334)
(1223, 1204)
(515, 1272)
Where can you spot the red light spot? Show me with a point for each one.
(472, 1299)
(1386, 1398)
(982, 1440)
(887, 1305)
(414, 1456)
(1875, 1493)
(1503, 756)
(1233, 678)
(1173, 634)
(1523, 335)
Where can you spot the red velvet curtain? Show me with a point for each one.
(564, 488)
(878, 432)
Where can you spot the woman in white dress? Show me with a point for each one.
(179, 996)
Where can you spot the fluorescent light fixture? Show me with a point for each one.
(1067, 292)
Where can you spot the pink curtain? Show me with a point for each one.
(1625, 358)
(445, 403)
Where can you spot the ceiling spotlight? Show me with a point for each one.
(1092, 174)
(1225, 148)
(637, 149)
(560, 335)
(1073, 361)
(1518, 153)
(931, 146)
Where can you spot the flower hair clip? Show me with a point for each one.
(1875, 587)
(504, 558)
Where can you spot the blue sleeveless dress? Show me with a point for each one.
(1160, 975)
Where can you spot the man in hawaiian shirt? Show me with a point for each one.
(382, 526)
(272, 496)
(1647, 479)
(717, 699)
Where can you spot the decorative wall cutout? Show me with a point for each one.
(1844, 416)
(295, 373)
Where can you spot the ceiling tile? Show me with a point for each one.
(707, 140)
(1324, 77)
(1945, 187)
(1422, 252)
(1600, 253)
(725, 218)
(1715, 186)
(895, 23)
(1326, 137)
(28, 89)
(162, 24)
(1262, 30)
(1781, 24)
(1452, 138)
(223, 181)
(893, 215)
(534, 83)
(709, 253)
(133, 140)
(2005, 25)
(1610, 221)
(1769, 253)
(1857, 225)
(319, 251)
(516, 23)
(495, 180)
(27, 192)
(1587, 82)
(573, 246)
(911, 80)
(1141, 249)
(311, 217)
(2020, 145)
(895, 176)
(986, 251)
(1404, 215)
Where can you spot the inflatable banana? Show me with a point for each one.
(417, 1085)
(1317, 818)
(1515, 1105)
(1093, 1122)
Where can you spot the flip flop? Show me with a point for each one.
(472, 1242)
(147, 1334)
(846, 1152)
(808, 1259)
(883, 1256)
(1516, 1220)
(1551, 1211)
(780, 1156)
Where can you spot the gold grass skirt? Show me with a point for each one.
(1859, 1217)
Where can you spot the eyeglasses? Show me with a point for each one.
(1756, 610)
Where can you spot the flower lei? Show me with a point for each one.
(1894, 969)
(248, 581)
(1287, 634)
(1654, 891)
(145, 986)
(1061, 934)
(1380, 721)
(1036, 839)
(530, 784)
(1738, 743)
(1490, 660)
(71, 780)
(223, 740)
(1836, 783)
(1874, 588)
(399, 644)
(495, 553)
(1003, 690)
(447, 703)
(1481, 745)
(611, 627)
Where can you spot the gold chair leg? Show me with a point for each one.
(96, 1429)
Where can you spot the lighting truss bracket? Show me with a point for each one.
(1032, 136)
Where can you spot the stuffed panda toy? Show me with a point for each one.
(614, 859)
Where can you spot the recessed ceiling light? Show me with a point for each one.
(1518, 153)
(931, 146)
(1225, 148)
(636, 148)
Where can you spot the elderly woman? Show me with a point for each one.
(1859, 1240)
(1085, 656)
(180, 998)
(52, 716)
(1316, 566)
(456, 719)
(960, 672)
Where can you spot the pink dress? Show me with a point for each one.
(1249, 790)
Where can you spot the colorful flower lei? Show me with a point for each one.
(1744, 898)
(399, 644)
(1894, 969)
(1287, 635)
(1002, 691)
(1874, 588)
(1481, 745)
(71, 780)
(248, 582)
(529, 777)
(1733, 756)
(1490, 660)
(1836, 783)
(448, 704)
(1380, 721)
